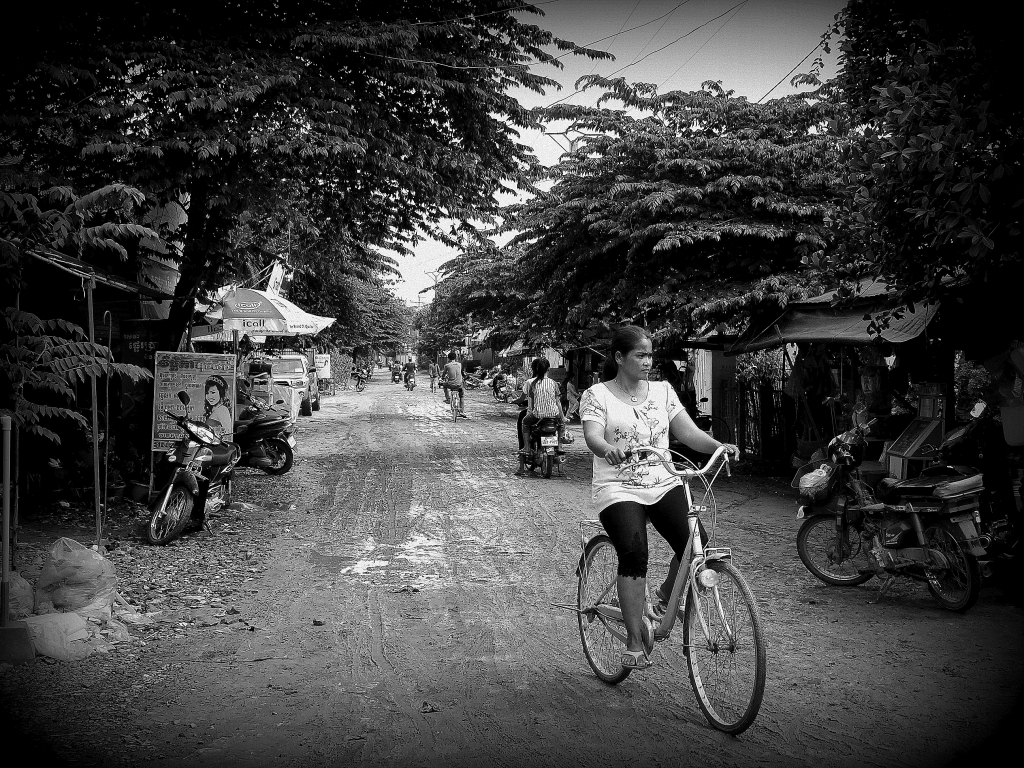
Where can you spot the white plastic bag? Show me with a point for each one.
(63, 636)
(21, 598)
(75, 578)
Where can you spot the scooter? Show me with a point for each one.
(924, 528)
(200, 483)
(545, 447)
(362, 376)
(504, 391)
(410, 382)
(396, 376)
(264, 435)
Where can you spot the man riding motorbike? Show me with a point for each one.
(409, 368)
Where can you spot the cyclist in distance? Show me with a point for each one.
(451, 379)
(623, 412)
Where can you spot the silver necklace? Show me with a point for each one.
(633, 395)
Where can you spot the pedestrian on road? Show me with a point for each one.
(624, 412)
(573, 396)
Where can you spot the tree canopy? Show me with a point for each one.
(677, 211)
(936, 176)
(383, 118)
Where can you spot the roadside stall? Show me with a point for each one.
(256, 313)
(842, 374)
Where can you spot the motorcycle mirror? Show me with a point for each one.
(183, 396)
(978, 409)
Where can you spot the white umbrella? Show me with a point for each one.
(261, 313)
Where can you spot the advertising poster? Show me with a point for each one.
(209, 381)
(323, 366)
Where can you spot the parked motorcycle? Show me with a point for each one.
(979, 446)
(362, 376)
(200, 483)
(470, 381)
(264, 435)
(545, 447)
(410, 382)
(924, 528)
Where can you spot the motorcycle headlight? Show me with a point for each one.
(203, 454)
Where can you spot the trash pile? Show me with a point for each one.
(74, 610)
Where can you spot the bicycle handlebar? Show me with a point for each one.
(665, 457)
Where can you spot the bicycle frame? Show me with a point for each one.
(695, 556)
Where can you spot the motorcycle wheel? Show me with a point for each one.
(957, 587)
(816, 545)
(360, 386)
(316, 403)
(545, 465)
(305, 408)
(164, 528)
(284, 453)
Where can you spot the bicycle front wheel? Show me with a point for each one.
(604, 638)
(725, 649)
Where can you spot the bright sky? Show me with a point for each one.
(750, 46)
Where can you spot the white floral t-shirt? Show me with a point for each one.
(629, 426)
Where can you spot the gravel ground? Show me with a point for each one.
(389, 602)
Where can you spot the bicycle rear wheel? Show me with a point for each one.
(455, 406)
(604, 638)
(727, 666)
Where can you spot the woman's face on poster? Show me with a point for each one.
(212, 394)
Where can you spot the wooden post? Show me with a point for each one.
(5, 574)
(89, 286)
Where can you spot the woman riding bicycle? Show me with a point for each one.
(621, 413)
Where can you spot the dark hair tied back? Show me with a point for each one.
(624, 340)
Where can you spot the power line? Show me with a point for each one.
(720, 28)
(651, 40)
(794, 69)
(624, 23)
(681, 37)
(481, 15)
(527, 64)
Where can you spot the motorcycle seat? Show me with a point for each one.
(223, 454)
(890, 489)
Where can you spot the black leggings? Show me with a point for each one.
(626, 524)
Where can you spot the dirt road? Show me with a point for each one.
(404, 618)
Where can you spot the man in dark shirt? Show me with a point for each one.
(409, 367)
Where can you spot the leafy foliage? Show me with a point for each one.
(382, 118)
(41, 361)
(679, 211)
(936, 183)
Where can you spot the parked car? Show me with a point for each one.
(293, 370)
